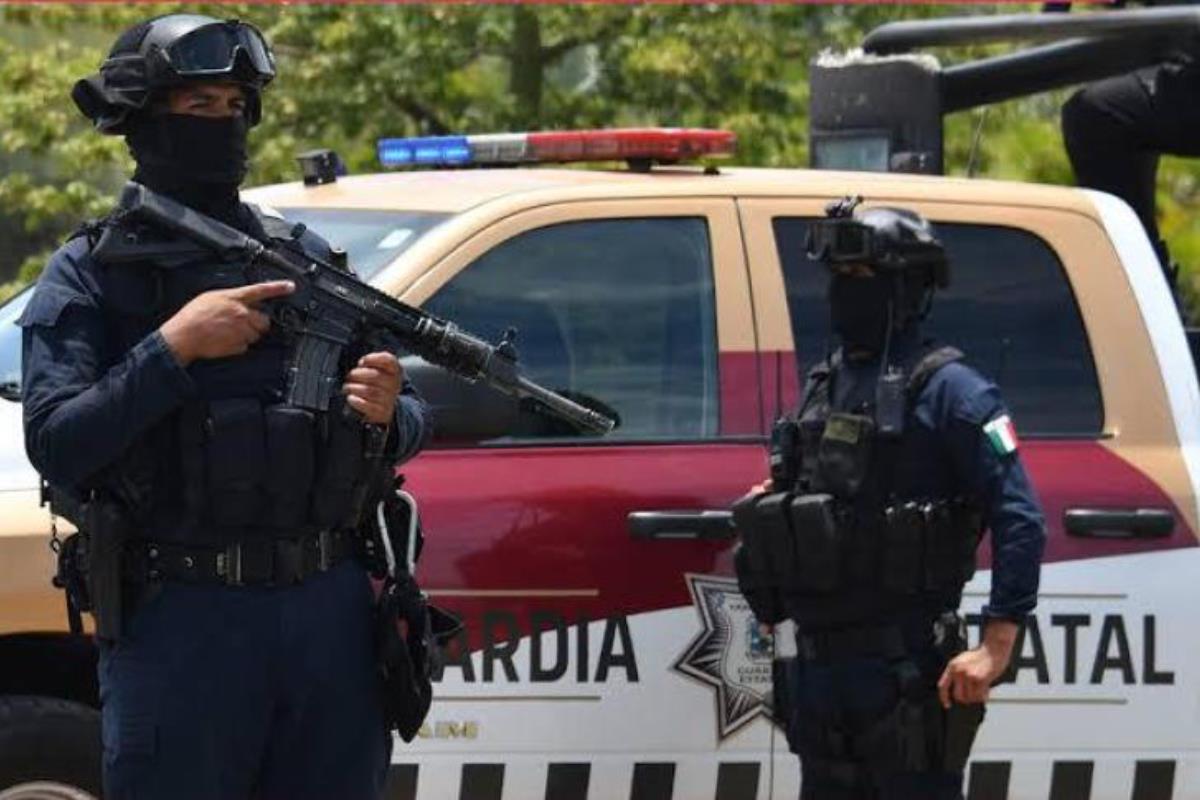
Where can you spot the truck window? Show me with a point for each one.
(10, 345)
(620, 310)
(1009, 308)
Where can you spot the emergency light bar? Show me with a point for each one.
(617, 144)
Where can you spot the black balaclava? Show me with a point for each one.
(199, 161)
(859, 312)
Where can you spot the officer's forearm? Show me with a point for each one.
(999, 638)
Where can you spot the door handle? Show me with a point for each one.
(1119, 523)
(710, 525)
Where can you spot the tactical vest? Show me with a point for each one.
(842, 541)
(233, 463)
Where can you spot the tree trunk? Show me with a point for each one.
(526, 67)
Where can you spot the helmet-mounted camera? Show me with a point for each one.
(885, 239)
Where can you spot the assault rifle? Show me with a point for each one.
(331, 310)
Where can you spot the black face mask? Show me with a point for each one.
(858, 310)
(200, 161)
(201, 149)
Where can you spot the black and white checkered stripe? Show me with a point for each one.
(747, 780)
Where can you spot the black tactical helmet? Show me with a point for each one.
(169, 51)
(887, 239)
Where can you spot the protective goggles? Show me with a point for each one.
(234, 49)
(840, 241)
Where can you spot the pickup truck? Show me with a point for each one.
(607, 653)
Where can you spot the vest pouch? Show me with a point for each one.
(844, 454)
(818, 542)
(950, 549)
(291, 465)
(235, 460)
(745, 522)
(903, 540)
(967, 527)
(779, 546)
(340, 470)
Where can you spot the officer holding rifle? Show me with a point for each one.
(233, 617)
(881, 486)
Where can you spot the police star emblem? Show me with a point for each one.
(730, 654)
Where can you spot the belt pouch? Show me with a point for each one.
(291, 464)
(235, 460)
(778, 546)
(340, 469)
(817, 542)
(903, 539)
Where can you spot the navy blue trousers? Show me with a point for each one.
(225, 693)
(837, 708)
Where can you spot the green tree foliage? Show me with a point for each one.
(351, 74)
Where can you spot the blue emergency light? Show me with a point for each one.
(424, 151)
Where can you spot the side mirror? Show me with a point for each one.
(464, 413)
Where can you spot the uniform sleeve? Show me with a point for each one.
(413, 425)
(84, 404)
(986, 455)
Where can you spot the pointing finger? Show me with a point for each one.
(257, 292)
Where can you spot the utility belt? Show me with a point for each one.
(259, 561)
(813, 544)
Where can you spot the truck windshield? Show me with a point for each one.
(372, 239)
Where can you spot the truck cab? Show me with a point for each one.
(607, 652)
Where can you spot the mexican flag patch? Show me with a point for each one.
(1001, 435)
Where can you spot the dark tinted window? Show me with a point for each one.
(618, 310)
(1009, 307)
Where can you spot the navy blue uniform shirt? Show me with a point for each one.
(946, 453)
(89, 394)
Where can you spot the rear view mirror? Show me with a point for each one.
(464, 413)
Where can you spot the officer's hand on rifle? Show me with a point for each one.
(969, 676)
(221, 322)
(762, 488)
(372, 386)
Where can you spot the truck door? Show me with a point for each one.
(606, 652)
(1098, 702)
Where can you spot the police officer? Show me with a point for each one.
(1115, 131)
(235, 649)
(880, 487)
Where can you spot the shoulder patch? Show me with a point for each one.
(1001, 435)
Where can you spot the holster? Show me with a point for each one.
(960, 725)
(409, 631)
(107, 528)
(71, 576)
